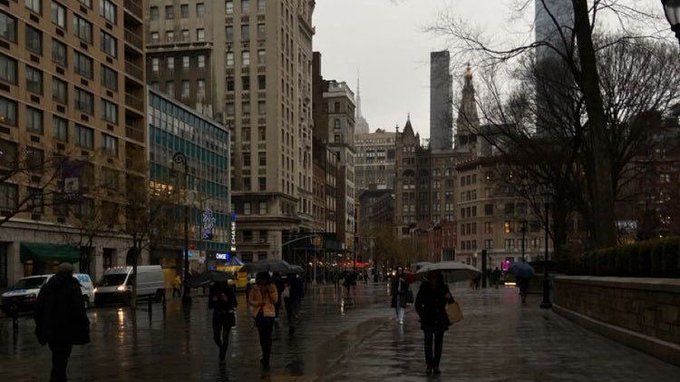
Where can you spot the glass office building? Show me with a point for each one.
(175, 128)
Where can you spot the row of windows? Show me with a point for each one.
(107, 9)
(185, 89)
(183, 37)
(245, 58)
(170, 11)
(260, 32)
(187, 62)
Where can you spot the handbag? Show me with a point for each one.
(453, 312)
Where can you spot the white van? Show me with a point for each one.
(116, 285)
(22, 295)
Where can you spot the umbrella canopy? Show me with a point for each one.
(269, 265)
(521, 269)
(207, 278)
(453, 271)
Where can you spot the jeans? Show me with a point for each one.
(432, 360)
(60, 356)
(221, 330)
(265, 327)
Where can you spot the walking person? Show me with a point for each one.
(222, 301)
(262, 300)
(430, 304)
(399, 291)
(60, 319)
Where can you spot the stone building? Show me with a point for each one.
(375, 160)
(441, 101)
(72, 136)
(247, 64)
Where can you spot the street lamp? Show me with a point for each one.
(546, 304)
(523, 227)
(672, 10)
(180, 158)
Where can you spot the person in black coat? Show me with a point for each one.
(430, 304)
(60, 319)
(399, 291)
(222, 301)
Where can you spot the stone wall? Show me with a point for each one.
(650, 307)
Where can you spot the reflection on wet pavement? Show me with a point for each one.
(338, 338)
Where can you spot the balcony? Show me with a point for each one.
(135, 133)
(134, 39)
(135, 8)
(134, 71)
(134, 102)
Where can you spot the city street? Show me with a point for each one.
(338, 339)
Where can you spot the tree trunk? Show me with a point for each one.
(599, 176)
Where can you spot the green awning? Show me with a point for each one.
(49, 252)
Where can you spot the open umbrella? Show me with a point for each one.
(296, 269)
(269, 265)
(453, 271)
(521, 269)
(208, 277)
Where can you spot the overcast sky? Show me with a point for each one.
(386, 42)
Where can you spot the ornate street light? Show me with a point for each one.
(181, 159)
(546, 304)
(672, 10)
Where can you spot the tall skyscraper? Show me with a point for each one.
(72, 141)
(441, 98)
(553, 20)
(362, 125)
(248, 63)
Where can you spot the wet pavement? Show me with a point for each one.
(338, 338)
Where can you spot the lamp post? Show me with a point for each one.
(672, 10)
(546, 304)
(523, 227)
(180, 158)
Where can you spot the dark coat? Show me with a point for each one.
(397, 283)
(222, 298)
(60, 315)
(431, 306)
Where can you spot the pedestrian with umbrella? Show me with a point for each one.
(222, 301)
(523, 273)
(262, 300)
(431, 301)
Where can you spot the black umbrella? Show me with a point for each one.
(269, 265)
(208, 277)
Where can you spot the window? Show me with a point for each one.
(229, 6)
(200, 9)
(84, 101)
(170, 36)
(186, 62)
(245, 32)
(109, 78)
(262, 158)
(229, 33)
(8, 69)
(155, 64)
(110, 177)
(246, 156)
(200, 35)
(58, 14)
(59, 128)
(200, 61)
(34, 80)
(8, 27)
(261, 5)
(186, 89)
(230, 84)
(34, 120)
(109, 44)
(245, 83)
(83, 65)
(170, 88)
(185, 35)
(262, 82)
(261, 108)
(261, 31)
(108, 10)
(230, 59)
(153, 13)
(109, 111)
(261, 57)
(34, 5)
(84, 137)
(170, 63)
(110, 144)
(9, 150)
(245, 58)
(82, 28)
(87, 3)
(263, 211)
(245, 6)
(262, 133)
(8, 197)
(200, 89)
(246, 210)
(59, 90)
(8, 112)
(262, 183)
(59, 53)
(169, 12)
(230, 109)
(33, 40)
(184, 11)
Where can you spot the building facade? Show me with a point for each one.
(175, 129)
(375, 160)
(247, 64)
(441, 101)
(72, 132)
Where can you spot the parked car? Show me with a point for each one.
(22, 295)
(116, 284)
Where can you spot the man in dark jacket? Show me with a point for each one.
(60, 319)
(431, 301)
(222, 300)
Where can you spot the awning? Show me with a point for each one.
(49, 252)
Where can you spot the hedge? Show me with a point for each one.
(652, 258)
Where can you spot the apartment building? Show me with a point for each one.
(71, 132)
(375, 160)
(247, 64)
